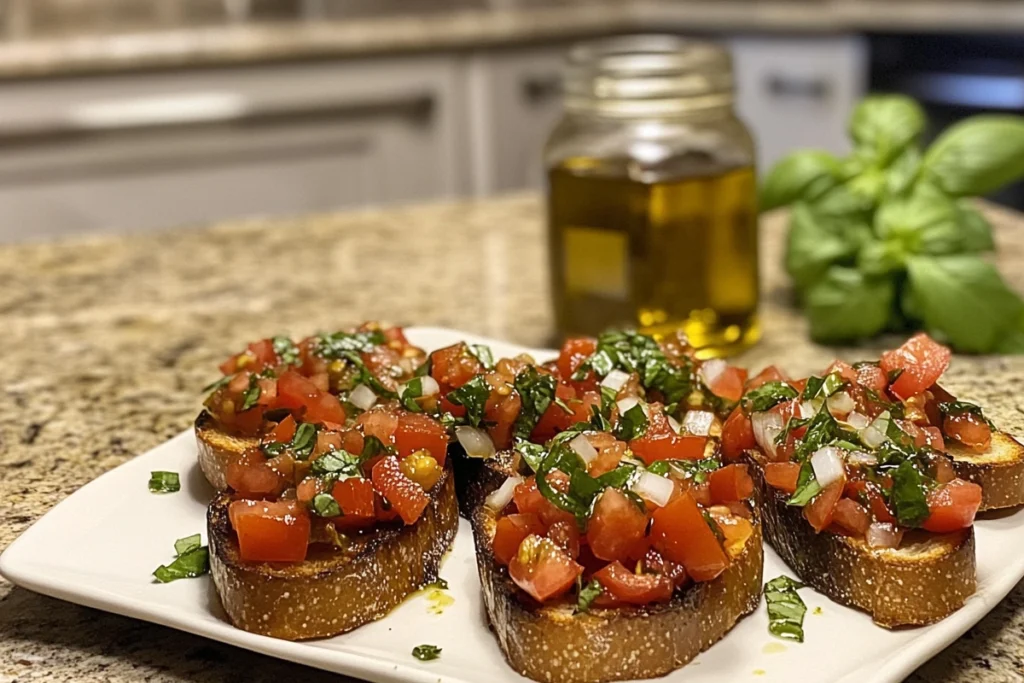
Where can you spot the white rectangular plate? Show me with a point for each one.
(100, 545)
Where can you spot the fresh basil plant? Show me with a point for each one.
(885, 239)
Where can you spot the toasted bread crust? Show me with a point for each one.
(926, 579)
(218, 448)
(999, 471)
(334, 590)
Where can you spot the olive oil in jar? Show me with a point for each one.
(652, 211)
(679, 253)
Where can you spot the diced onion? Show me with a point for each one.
(654, 488)
(698, 422)
(840, 403)
(615, 379)
(810, 408)
(475, 441)
(874, 435)
(827, 464)
(857, 421)
(581, 444)
(362, 397)
(429, 386)
(628, 403)
(883, 535)
(674, 424)
(711, 370)
(860, 458)
(502, 496)
(767, 425)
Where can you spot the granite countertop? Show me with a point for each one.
(506, 22)
(107, 341)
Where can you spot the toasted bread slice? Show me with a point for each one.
(926, 579)
(335, 589)
(999, 471)
(218, 448)
(553, 644)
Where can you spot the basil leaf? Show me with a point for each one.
(767, 396)
(338, 463)
(587, 596)
(977, 155)
(807, 487)
(410, 391)
(532, 453)
(632, 424)
(286, 350)
(252, 394)
(786, 609)
(325, 505)
(339, 345)
(425, 653)
(304, 441)
(536, 390)
(816, 242)
(846, 305)
(164, 482)
(908, 495)
(822, 387)
(903, 172)
(365, 376)
(697, 470)
(964, 300)
(184, 545)
(483, 354)
(927, 222)
(617, 478)
(473, 397)
(372, 446)
(566, 408)
(976, 230)
(802, 175)
(193, 560)
(631, 351)
(219, 384)
(882, 126)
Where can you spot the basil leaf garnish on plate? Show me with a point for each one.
(192, 560)
(184, 545)
(785, 608)
(425, 653)
(164, 482)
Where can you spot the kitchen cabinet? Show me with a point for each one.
(796, 92)
(154, 151)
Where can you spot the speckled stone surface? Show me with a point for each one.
(505, 22)
(105, 344)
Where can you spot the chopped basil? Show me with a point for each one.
(536, 390)
(532, 453)
(566, 408)
(697, 470)
(785, 608)
(336, 346)
(286, 350)
(164, 482)
(587, 596)
(632, 424)
(324, 505)
(640, 353)
(908, 495)
(823, 387)
(191, 560)
(473, 397)
(372, 446)
(337, 464)
(252, 393)
(273, 449)
(304, 440)
(425, 653)
(424, 369)
(807, 487)
(412, 390)
(617, 478)
(767, 396)
(184, 545)
(483, 354)
(219, 384)
(715, 529)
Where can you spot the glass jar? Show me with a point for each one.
(652, 211)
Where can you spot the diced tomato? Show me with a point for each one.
(385, 511)
(529, 499)
(730, 483)
(952, 506)
(510, 532)
(308, 488)
(415, 431)
(283, 431)
(251, 474)
(270, 531)
(845, 370)
(352, 441)
(325, 408)
(567, 536)
(404, 495)
(782, 475)
(660, 441)
(575, 351)
(294, 390)
(851, 516)
(869, 494)
(922, 436)
(769, 374)
(453, 366)
(735, 528)
(355, 498)
(622, 587)
(609, 453)
(615, 525)
(379, 422)
(820, 511)
(728, 384)
(922, 360)
(737, 435)
(555, 419)
(872, 376)
(682, 535)
(382, 362)
(968, 429)
(542, 569)
(500, 412)
(655, 562)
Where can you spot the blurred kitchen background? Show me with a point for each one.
(132, 115)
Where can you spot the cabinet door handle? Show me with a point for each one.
(812, 88)
(539, 89)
